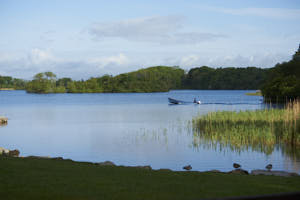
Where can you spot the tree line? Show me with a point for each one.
(203, 78)
(279, 83)
(283, 81)
(11, 83)
(152, 79)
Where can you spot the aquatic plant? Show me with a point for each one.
(261, 130)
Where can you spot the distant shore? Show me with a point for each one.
(257, 93)
(7, 89)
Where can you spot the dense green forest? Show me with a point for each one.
(152, 79)
(230, 78)
(283, 81)
(13, 83)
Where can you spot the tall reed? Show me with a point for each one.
(259, 129)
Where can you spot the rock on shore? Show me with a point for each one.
(3, 120)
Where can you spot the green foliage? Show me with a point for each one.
(283, 82)
(261, 130)
(13, 83)
(43, 83)
(230, 78)
(153, 79)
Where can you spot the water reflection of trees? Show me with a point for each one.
(238, 141)
(162, 134)
(260, 130)
(158, 135)
(292, 156)
(220, 143)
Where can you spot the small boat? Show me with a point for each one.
(196, 102)
(174, 101)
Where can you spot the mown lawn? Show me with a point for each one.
(33, 178)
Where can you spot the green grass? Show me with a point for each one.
(260, 129)
(32, 178)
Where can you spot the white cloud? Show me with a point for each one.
(120, 59)
(38, 60)
(159, 29)
(260, 60)
(277, 13)
(189, 60)
(37, 56)
(140, 27)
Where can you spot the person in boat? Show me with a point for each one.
(197, 102)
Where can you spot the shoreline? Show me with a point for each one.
(257, 93)
(16, 153)
(239, 171)
(4, 89)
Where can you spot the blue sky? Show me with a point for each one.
(80, 39)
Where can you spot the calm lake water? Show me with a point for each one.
(130, 129)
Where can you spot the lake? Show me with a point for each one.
(131, 129)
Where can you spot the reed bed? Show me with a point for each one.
(260, 129)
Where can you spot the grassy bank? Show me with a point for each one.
(260, 129)
(33, 178)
